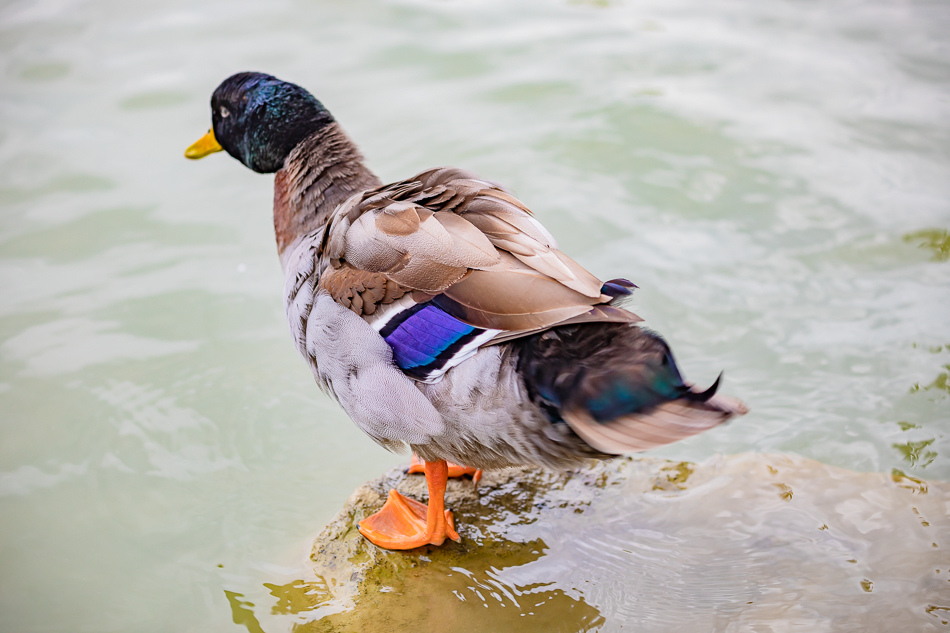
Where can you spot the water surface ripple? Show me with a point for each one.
(774, 176)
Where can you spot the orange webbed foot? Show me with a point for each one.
(401, 524)
(405, 523)
(416, 465)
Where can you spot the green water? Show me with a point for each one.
(775, 177)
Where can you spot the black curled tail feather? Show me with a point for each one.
(703, 396)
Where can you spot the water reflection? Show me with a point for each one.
(919, 448)
(442, 591)
(940, 383)
(916, 453)
(736, 543)
(935, 240)
(242, 612)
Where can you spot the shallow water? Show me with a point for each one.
(749, 542)
(774, 176)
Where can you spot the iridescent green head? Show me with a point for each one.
(258, 119)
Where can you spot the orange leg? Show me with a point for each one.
(404, 523)
(416, 465)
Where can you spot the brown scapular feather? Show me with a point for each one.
(448, 233)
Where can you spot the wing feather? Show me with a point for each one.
(452, 237)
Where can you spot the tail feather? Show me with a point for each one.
(703, 396)
(663, 424)
(731, 406)
(618, 387)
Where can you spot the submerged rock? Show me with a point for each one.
(750, 542)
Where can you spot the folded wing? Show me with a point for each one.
(464, 244)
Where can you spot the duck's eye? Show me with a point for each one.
(225, 113)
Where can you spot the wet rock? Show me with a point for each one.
(734, 543)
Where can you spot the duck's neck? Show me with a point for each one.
(320, 173)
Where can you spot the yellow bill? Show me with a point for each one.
(205, 145)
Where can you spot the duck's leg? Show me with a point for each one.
(404, 523)
(416, 465)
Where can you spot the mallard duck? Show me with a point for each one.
(441, 315)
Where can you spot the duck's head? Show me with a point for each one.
(258, 119)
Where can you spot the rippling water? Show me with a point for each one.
(773, 175)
